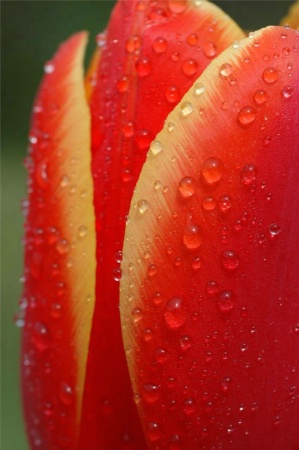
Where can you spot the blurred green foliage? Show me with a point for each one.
(31, 31)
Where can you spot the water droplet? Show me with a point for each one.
(66, 394)
(187, 187)
(143, 67)
(189, 67)
(212, 171)
(287, 92)
(260, 97)
(49, 67)
(101, 39)
(174, 313)
(62, 246)
(162, 355)
(133, 44)
(209, 49)
(172, 94)
(177, 6)
(198, 89)
(230, 260)
(123, 84)
(175, 56)
(142, 206)
(209, 203)
(117, 274)
(170, 127)
(156, 147)
(82, 231)
(160, 45)
(152, 270)
(192, 237)
(196, 263)
(270, 75)
(41, 174)
(192, 39)
(153, 431)
(212, 288)
(236, 44)
(41, 336)
(248, 174)
(246, 116)
(225, 301)
(274, 230)
(56, 310)
(185, 342)
(225, 70)
(189, 406)
(151, 392)
(225, 203)
(186, 109)
(137, 314)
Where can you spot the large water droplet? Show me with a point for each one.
(192, 237)
(225, 70)
(150, 392)
(209, 203)
(142, 206)
(209, 49)
(212, 171)
(160, 45)
(186, 109)
(143, 67)
(260, 97)
(270, 75)
(187, 187)
(248, 174)
(230, 260)
(156, 147)
(174, 313)
(246, 116)
(274, 231)
(190, 67)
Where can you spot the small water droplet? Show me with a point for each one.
(274, 230)
(192, 39)
(82, 231)
(137, 314)
(160, 45)
(185, 342)
(198, 89)
(225, 70)
(41, 174)
(143, 67)
(225, 203)
(209, 49)
(177, 6)
(209, 203)
(196, 263)
(192, 237)
(122, 84)
(49, 67)
(212, 171)
(152, 270)
(151, 392)
(142, 206)
(189, 67)
(117, 274)
(230, 260)
(225, 301)
(41, 336)
(162, 355)
(153, 431)
(62, 246)
(246, 116)
(248, 174)
(133, 44)
(287, 92)
(186, 109)
(212, 288)
(174, 313)
(187, 187)
(270, 75)
(189, 406)
(56, 310)
(170, 127)
(260, 97)
(172, 94)
(156, 147)
(66, 394)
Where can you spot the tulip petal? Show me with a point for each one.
(210, 287)
(60, 262)
(153, 53)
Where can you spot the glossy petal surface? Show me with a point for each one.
(153, 53)
(59, 288)
(210, 284)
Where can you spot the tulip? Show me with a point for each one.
(208, 271)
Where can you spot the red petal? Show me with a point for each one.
(154, 52)
(59, 253)
(210, 274)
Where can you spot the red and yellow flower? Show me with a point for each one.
(196, 127)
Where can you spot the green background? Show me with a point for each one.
(31, 31)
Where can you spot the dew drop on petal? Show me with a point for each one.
(187, 187)
(230, 260)
(190, 67)
(143, 67)
(153, 431)
(66, 394)
(198, 89)
(287, 92)
(156, 147)
(225, 301)
(248, 174)
(177, 6)
(172, 94)
(225, 70)
(209, 49)
(150, 392)
(160, 45)
(246, 116)
(260, 97)
(225, 203)
(185, 342)
(192, 237)
(274, 231)
(162, 355)
(41, 336)
(212, 171)
(186, 109)
(270, 75)
(192, 39)
(209, 203)
(142, 206)
(174, 313)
